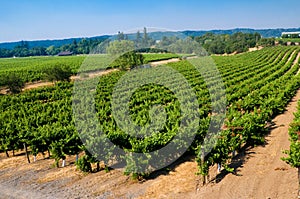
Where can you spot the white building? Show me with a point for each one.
(289, 34)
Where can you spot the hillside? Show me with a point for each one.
(155, 35)
(47, 43)
(264, 32)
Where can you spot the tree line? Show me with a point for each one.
(237, 42)
(212, 43)
(24, 50)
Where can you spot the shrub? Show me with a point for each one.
(83, 164)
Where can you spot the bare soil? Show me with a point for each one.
(156, 63)
(34, 85)
(255, 48)
(297, 59)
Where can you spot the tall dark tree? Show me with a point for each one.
(145, 36)
(120, 36)
(38, 51)
(126, 37)
(138, 36)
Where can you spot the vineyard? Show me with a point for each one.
(258, 87)
(30, 69)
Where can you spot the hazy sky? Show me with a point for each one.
(49, 19)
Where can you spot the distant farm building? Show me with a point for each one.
(65, 53)
(290, 34)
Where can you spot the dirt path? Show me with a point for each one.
(297, 59)
(94, 74)
(156, 63)
(255, 48)
(37, 85)
(291, 56)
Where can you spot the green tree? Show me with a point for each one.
(147, 41)
(128, 60)
(116, 48)
(37, 51)
(52, 50)
(237, 42)
(58, 73)
(145, 37)
(5, 53)
(138, 36)
(267, 42)
(138, 39)
(120, 36)
(14, 83)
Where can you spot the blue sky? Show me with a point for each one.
(50, 19)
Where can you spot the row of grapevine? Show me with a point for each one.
(40, 119)
(258, 86)
(246, 116)
(251, 115)
(31, 68)
(293, 153)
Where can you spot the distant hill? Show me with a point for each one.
(181, 34)
(264, 32)
(47, 43)
(156, 36)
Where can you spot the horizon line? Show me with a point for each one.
(165, 30)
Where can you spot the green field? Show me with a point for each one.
(31, 68)
(258, 87)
